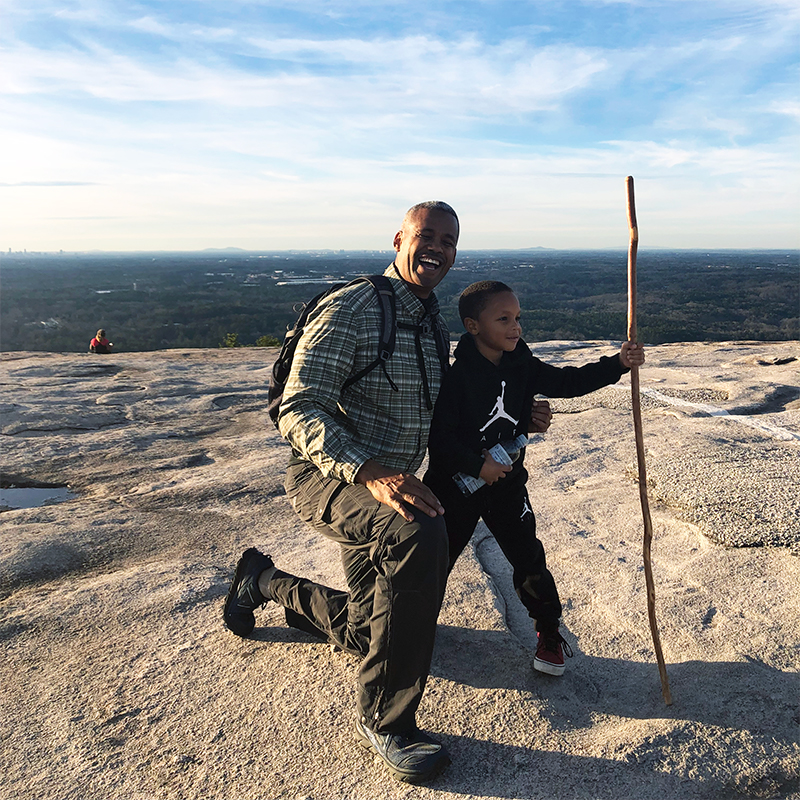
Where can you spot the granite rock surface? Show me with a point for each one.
(118, 679)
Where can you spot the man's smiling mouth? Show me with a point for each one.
(429, 262)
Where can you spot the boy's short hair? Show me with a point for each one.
(475, 297)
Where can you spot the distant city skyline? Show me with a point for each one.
(314, 124)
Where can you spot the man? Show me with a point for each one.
(351, 476)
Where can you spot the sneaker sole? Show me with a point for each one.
(397, 774)
(548, 668)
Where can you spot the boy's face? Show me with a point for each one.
(497, 329)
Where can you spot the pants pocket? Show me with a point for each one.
(349, 510)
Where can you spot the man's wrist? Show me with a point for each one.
(372, 470)
(369, 471)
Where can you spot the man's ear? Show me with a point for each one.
(398, 240)
(471, 325)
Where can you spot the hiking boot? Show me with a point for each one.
(550, 653)
(243, 595)
(412, 757)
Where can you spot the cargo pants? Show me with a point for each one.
(396, 572)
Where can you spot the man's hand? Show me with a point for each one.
(631, 355)
(398, 490)
(492, 471)
(541, 417)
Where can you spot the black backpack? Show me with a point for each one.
(386, 301)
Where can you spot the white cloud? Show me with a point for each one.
(148, 24)
(562, 197)
(786, 107)
(428, 77)
(221, 134)
(182, 32)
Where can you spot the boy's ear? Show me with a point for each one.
(471, 325)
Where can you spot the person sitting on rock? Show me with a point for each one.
(100, 344)
(487, 398)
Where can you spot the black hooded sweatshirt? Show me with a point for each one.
(476, 391)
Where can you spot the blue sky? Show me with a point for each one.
(311, 124)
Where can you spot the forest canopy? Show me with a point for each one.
(151, 301)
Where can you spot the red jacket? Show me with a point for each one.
(100, 345)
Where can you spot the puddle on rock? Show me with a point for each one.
(29, 497)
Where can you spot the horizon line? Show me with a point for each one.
(215, 251)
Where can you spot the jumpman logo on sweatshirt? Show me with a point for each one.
(499, 411)
(526, 509)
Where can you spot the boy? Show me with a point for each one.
(486, 399)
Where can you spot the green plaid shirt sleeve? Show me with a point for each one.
(338, 430)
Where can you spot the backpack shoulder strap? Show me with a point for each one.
(388, 311)
(386, 300)
(442, 344)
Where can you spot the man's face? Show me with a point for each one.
(426, 249)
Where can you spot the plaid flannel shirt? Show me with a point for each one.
(339, 430)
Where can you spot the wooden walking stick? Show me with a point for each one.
(637, 427)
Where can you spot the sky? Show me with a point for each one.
(314, 124)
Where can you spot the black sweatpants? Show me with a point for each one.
(506, 510)
(396, 572)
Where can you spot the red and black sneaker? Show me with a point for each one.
(550, 653)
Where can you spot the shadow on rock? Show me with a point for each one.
(744, 695)
(489, 769)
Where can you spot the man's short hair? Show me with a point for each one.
(432, 205)
(475, 297)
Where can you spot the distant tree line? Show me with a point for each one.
(189, 301)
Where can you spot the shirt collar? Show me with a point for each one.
(408, 299)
